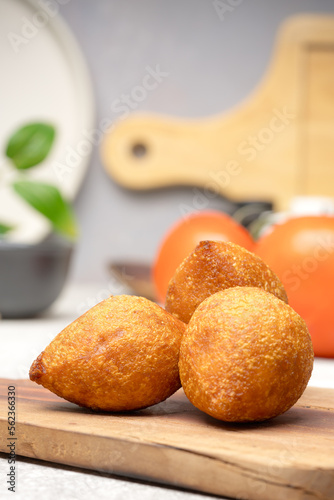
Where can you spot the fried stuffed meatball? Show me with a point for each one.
(120, 355)
(245, 356)
(214, 266)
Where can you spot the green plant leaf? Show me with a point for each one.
(30, 144)
(49, 202)
(4, 228)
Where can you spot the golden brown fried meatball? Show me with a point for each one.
(120, 355)
(245, 356)
(215, 266)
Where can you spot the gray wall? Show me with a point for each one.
(212, 65)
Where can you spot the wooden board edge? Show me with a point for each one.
(166, 464)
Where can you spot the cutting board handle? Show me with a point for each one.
(148, 151)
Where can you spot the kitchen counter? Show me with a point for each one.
(20, 342)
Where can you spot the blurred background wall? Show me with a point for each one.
(213, 62)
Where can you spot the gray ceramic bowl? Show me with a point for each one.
(32, 276)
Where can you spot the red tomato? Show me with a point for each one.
(301, 252)
(183, 236)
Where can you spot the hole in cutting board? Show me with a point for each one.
(139, 150)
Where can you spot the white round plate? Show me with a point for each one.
(43, 78)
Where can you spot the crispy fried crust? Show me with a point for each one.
(120, 355)
(245, 356)
(215, 266)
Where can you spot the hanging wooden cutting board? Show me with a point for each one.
(289, 457)
(277, 144)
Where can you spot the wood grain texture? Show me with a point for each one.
(290, 456)
(272, 146)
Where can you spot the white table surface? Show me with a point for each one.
(20, 343)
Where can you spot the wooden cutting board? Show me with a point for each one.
(275, 145)
(290, 457)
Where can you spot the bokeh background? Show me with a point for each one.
(212, 65)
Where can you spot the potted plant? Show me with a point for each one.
(32, 275)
